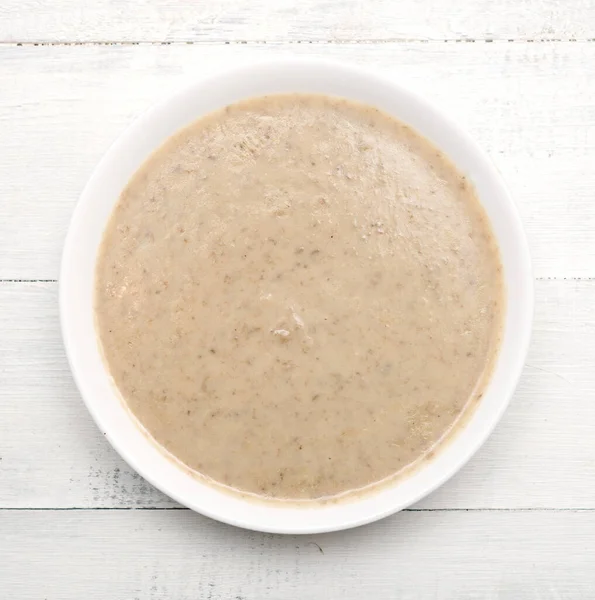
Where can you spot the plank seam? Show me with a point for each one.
(321, 42)
(182, 508)
(536, 279)
(28, 281)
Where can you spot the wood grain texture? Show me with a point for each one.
(136, 555)
(542, 455)
(529, 105)
(285, 20)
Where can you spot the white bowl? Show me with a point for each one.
(102, 192)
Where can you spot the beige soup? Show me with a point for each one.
(299, 296)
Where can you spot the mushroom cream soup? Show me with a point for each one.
(299, 296)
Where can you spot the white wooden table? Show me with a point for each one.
(517, 523)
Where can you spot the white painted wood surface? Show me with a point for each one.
(541, 456)
(530, 105)
(305, 20)
(517, 523)
(178, 555)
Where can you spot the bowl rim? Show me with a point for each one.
(244, 512)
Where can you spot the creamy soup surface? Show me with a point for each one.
(298, 296)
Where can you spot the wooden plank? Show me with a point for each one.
(287, 20)
(178, 554)
(529, 105)
(540, 456)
